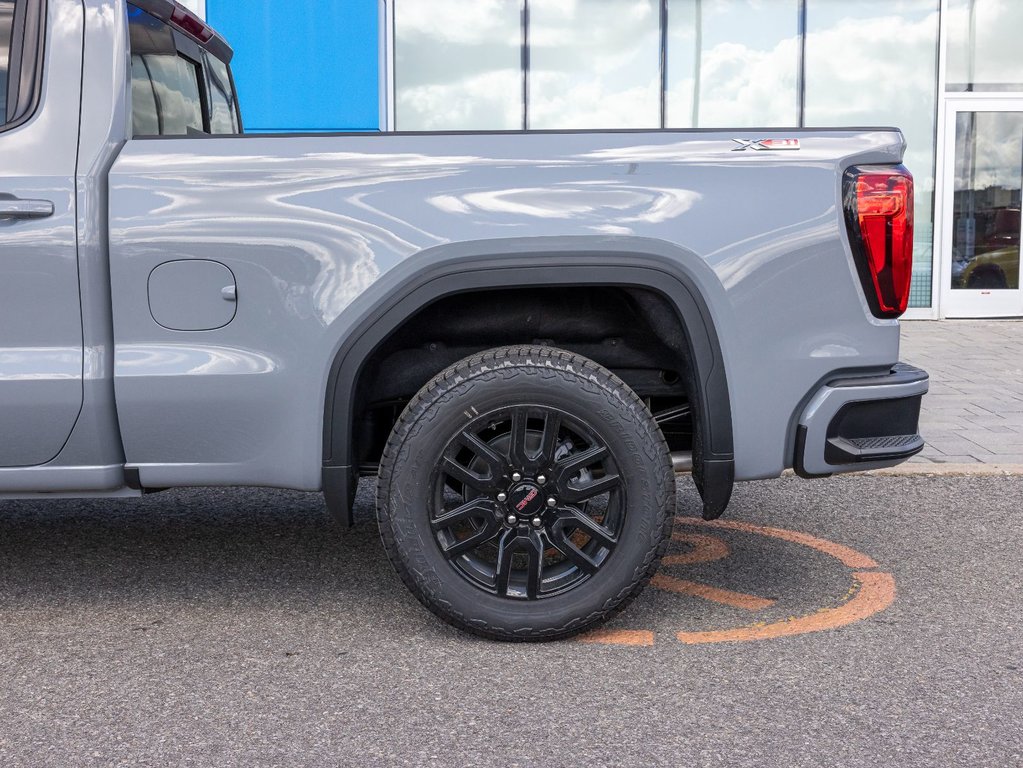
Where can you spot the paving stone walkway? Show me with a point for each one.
(974, 410)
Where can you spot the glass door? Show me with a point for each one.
(980, 193)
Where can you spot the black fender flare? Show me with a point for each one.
(628, 262)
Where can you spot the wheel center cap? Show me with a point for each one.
(525, 500)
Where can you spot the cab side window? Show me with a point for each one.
(6, 26)
(22, 23)
(166, 96)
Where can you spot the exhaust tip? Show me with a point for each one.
(682, 461)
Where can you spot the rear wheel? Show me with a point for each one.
(525, 494)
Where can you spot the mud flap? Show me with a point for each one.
(714, 479)
(339, 486)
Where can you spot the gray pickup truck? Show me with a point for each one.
(522, 336)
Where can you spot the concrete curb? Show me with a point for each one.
(951, 470)
(918, 469)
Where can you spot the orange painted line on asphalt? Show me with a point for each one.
(846, 555)
(706, 549)
(723, 596)
(877, 591)
(640, 637)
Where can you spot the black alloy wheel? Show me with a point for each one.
(525, 493)
(527, 502)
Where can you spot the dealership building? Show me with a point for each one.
(949, 73)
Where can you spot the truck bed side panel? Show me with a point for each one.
(318, 230)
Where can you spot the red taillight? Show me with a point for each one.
(879, 213)
(191, 24)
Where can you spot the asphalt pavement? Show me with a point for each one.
(238, 627)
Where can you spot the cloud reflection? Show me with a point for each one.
(189, 360)
(583, 202)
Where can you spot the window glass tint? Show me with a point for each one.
(594, 64)
(144, 118)
(874, 62)
(223, 114)
(984, 52)
(164, 84)
(457, 65)
(732, 63)
(6, 18)
(988, 186)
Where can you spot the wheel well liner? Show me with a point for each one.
(713, 457)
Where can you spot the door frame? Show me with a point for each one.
(957, 303)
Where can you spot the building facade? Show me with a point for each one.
(949, 73)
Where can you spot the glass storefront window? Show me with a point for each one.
(732, 63)
(984, 52)
(986, 215)
(458, 65)
(594, 64)
(874, 62)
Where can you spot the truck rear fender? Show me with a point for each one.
(656, 267)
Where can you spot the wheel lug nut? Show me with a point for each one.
(502, 496)
(537, 522)
(551, 501)
(541, 479)
(516, 476)
(512, 519)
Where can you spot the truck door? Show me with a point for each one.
(41, 352)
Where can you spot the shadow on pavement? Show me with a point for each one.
(226, 544)
(278, 550)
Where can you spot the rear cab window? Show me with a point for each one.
(178, 86)
(223, 106)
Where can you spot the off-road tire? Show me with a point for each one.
(540, 377)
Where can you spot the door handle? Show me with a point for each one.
(16, 208)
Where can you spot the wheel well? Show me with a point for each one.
(641, 313)
(634, 332)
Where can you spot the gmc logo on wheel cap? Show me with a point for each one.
(526, 499)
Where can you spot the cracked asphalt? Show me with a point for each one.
(239, 627)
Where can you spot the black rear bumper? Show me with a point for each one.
(862, 423)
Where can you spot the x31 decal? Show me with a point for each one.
(762, 144)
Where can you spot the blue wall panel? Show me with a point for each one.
(303, 66)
